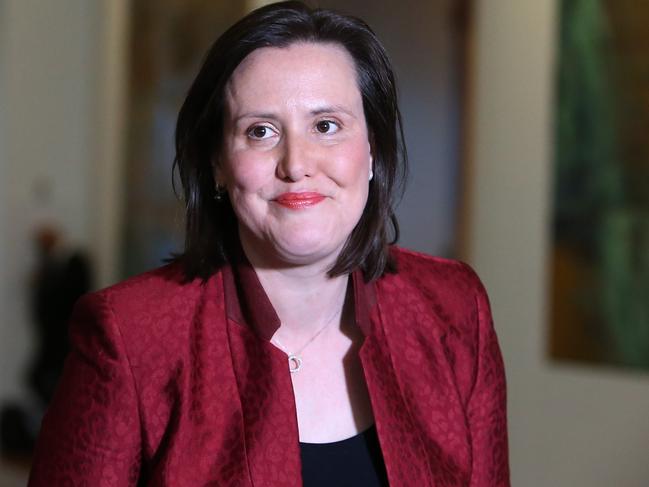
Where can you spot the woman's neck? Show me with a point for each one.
(304, 296)
(303, 302)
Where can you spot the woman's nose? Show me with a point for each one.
(298, 159)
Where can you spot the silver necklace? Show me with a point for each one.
(295, 358)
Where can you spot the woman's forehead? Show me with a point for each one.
(299, 72)
(297, 52)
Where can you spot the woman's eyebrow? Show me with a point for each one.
(332, 109)
(316, 111)
(255, 115)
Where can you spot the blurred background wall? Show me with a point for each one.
(59, 153)
(47, 104)
(569, 425)
(62, 109)
(60, 148)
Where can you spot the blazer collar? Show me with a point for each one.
(247, 303)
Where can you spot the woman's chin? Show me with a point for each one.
(293, 248)
(306, 252)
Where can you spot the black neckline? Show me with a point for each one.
(357, 436)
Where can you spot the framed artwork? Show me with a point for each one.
(600, 215)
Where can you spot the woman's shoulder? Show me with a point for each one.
(158, 282)
(424, 287)
(151, 313)
(427, 272)
(152, 293)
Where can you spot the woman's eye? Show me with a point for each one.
(260, 132)
(327, 127)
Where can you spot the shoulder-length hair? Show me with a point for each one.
(211, 224)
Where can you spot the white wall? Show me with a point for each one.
(4, 216)
(569, 426)
(60, 144)
(44, 93)
(108, 118)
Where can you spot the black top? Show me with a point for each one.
(356, 461)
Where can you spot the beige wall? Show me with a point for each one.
(569, 425)
(45, 92)
(4, 213)
(61, 93)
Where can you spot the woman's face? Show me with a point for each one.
(296, 157)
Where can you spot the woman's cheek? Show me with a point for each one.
(351, 165)
(250, 172)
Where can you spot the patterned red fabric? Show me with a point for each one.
(173, 384)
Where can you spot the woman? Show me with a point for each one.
(290, 342)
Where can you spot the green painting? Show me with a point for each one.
(600, 247)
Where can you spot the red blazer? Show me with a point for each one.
(176, 384)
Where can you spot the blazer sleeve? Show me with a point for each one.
(90, 434)
(487, 411)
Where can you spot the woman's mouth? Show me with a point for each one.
(299, 201)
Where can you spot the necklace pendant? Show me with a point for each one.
(294, 363)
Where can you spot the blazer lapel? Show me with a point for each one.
(399, 435)
(269, 416)
(414, 391)
(263, 382)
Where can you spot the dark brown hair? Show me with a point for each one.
(211, 225)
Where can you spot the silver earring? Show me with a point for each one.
(371, 174)
(219, 193)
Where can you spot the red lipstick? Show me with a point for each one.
(298, 201)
